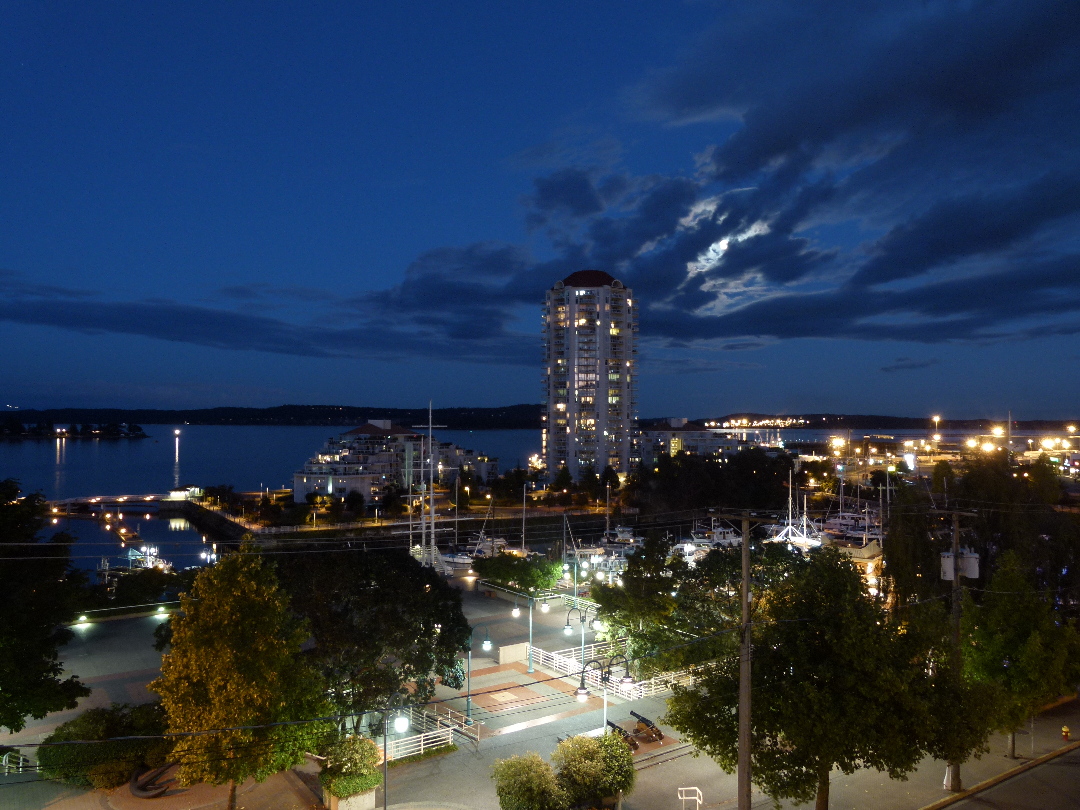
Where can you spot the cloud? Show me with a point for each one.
(901, 171)
(908, 364)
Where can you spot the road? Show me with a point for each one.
(1053, 785)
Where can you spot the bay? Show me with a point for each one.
(249, 457)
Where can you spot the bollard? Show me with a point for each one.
(1065, 733)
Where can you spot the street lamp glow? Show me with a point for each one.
(972, 443)
(582, 693)
(568, 629)
(401, 723)
(988, 447)
(544, 606)
(998, 431)
(516, 612)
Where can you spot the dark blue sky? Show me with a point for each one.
(821, 206)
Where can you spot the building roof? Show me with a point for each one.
(588, 278)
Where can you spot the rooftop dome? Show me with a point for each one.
(589, 278)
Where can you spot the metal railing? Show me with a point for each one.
(690, 794)
(14, 762)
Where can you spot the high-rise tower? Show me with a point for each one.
(589, 372)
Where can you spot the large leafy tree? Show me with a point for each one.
(37, 591)
(836, 685)
(379, 620)
(235, 681)
(1017, 642)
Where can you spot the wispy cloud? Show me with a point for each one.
(908, 364)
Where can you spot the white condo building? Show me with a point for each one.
(590, 365)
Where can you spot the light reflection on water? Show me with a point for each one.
(177, 541)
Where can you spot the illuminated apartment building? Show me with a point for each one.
(589, 372)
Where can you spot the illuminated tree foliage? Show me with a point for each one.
(37, 588)
(235, 669)
(511, 571)
(835, 684)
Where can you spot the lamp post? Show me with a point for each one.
(583, 565)
(605, 668)
(516, 612)
(486, 647)
(583, 616)
(401, 725)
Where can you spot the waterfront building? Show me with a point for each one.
(371, 457)
(683, 436)
(590, 369)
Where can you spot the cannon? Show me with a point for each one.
(647, 728)
(144, 784)
(627, 737)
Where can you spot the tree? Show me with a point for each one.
(392, 502)
(842, 689)
(37, 589)
(379, 620)
(562, 480)
(511, 571)
(354, 502)
(235, 664)
(527, 783)
(1015, 641)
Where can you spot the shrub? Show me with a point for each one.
(107, 762)
(527, 783)
(352, 766)
(591, 768)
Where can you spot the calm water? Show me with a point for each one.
(248, 457)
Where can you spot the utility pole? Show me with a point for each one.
(952, 769)
(744, 674)
(745, 652)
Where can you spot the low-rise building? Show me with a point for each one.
(683, 436)
(371, 457)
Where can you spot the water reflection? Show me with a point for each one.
(61, 462)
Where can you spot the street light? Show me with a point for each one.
(583, 616)
(401, 724)
(468, 677)
(516, 612)
(605, 668)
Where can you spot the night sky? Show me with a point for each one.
(821, 206)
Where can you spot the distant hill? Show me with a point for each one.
(510, 417)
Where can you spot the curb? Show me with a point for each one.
(1001, 777)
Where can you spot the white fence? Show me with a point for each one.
(568, 662)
